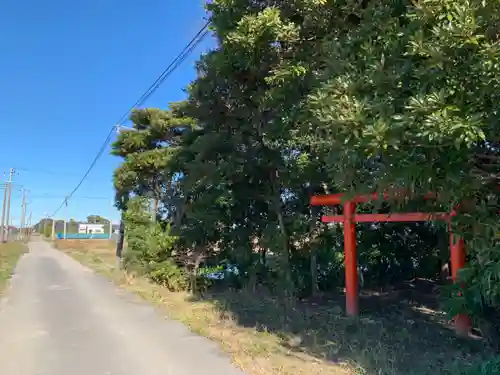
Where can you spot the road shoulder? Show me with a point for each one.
(10, 253)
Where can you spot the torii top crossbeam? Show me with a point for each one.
(338, 199)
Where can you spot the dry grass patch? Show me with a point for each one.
(9, 255)
(99, 254)
(264, 337)
(99, 246)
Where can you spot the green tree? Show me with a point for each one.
(96, 219)
(147, 154)
(308, 97)
(409, 90)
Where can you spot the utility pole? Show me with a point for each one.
(7, 214)
(28, 227)
(119, 243)
(65, 215)
(2, 224)
(121, 233)
(44, 224)
(53, 228)
(23, 216)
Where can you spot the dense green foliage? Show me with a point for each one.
(306, 97)
(483, 368)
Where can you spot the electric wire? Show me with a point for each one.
(181, 57)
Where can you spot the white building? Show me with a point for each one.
(90, 228)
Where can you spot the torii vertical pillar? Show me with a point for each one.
(457, 255)
(463, 323)
(351, 259)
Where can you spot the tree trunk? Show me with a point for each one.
(285, 256)
(313, 256)
(263, 264)
(252, 281)
(119, 243)
(313, 211)
(199, 256)
(156, 203)
(180, 208)
(276, 189)
(314, 272)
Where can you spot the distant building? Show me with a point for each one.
(90, 228)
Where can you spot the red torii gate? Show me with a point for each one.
(350, 218)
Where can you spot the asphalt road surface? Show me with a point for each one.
(59, 318)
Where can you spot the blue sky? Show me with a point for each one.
(68, 71)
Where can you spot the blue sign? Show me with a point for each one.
(84, 236)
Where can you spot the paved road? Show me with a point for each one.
(61, 319)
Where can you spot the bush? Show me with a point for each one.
(149, 243)
(170, 275)
(47, 232)
(490, 367)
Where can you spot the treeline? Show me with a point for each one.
(303, 97)
(44, 226)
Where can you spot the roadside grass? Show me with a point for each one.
(86, 245)
(393, 336)
(10, 253)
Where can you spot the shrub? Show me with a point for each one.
(490, 367)
(149, 243)
(170, 275)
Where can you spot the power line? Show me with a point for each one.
(48, 196)
(15, 189)
(200, 35)
(46, 172)
(168, 70)
(96, 158)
